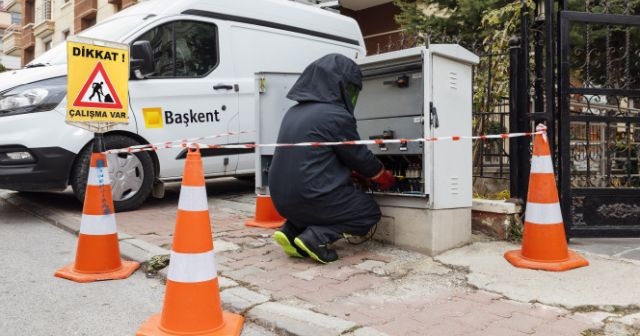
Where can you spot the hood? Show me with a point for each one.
(12, 78)
(326, 80)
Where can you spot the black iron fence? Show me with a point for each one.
(491, 116)
(491, 157)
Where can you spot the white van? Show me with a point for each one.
(200, 61)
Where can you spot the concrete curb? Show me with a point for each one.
(258, 308)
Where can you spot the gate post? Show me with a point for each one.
(514, 116)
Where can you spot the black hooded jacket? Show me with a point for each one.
(324, 113)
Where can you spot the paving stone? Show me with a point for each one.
(343, 273)
(224, 282)
(595, 319)
(298, 321)
(494, 330)
(244, 273)
(631, 320)
(366, 331)
(252, 329)
(238, 299)
(546, 312)
(220, 245)
(521, 322)
(358, 282)
(401, 325)
(308, 275)
(374, 266)
(562, 326)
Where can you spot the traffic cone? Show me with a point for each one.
(544, 244)
(266, 214)
(192, 297)
(98, 252)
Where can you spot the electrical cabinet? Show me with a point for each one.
(418, 93)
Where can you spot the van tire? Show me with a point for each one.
(80, 172)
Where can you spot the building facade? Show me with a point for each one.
(10, 23)
(39, 25)
(377, 23)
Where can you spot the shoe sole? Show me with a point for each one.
(286, 245)
(304, 247)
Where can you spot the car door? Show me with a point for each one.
(191, 94)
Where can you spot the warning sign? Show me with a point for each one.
(98, 91)
(98, 75)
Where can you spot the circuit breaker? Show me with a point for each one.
(415, 93)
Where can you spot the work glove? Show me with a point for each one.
(385, 180)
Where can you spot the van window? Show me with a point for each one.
(183, 48)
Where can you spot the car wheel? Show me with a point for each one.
(131, 174)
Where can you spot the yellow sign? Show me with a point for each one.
(97, 84)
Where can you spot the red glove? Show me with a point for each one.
(384, 179)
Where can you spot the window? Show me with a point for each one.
(183, 48)
(15, 18)
(65, 34)
(47, 45)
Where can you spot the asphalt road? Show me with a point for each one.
(34, 302)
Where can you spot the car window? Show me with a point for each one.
(183, 48)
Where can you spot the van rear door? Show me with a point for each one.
(191, 94)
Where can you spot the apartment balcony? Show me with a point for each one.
(44, 26)
(12, 6)
(44, 29)
(85, 13)
(28, 39)
(122, 4)
(85, 8)
(12, 41)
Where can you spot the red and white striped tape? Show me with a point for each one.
(187, 143)
(172, 144)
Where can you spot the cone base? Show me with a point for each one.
(68, 272)
(574, 261)
(272, 224)
(232, 327)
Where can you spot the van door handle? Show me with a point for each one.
(223, 86)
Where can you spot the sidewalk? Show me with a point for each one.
(376, 289)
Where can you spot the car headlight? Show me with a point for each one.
(38, 96)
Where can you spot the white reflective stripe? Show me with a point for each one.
(541, 164)
(541, 213)
(97, 174)
(98, 225)
(192, 267)
(193, 199)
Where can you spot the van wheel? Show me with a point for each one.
(131, 175)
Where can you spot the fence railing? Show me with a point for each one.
(491, 157)
(44, 11)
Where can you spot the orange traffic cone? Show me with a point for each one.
(544, 244)
(266, 214)
(192, 298)
(98, 253)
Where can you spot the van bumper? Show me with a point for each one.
(47, 168)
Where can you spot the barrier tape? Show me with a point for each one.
(187, 143)
(171, 144)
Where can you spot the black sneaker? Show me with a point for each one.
(317, 251)
(288, 247)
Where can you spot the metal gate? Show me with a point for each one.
(599, 126)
